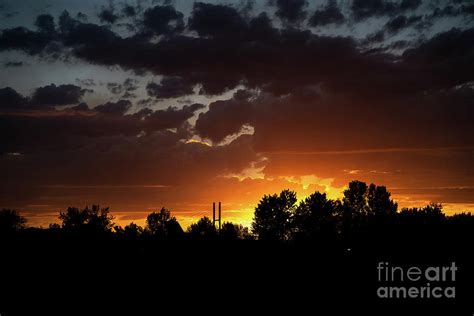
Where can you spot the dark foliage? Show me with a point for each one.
(89, 220)
(316, 217)
(11, 221)
(230, 231)
(163, 225)
(273, 214)
(203, 229)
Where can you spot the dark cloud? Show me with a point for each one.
(129, 11)
(130, 84)
(170, 87)
(6, 12)
(291, 11)
(399, 45)
(468, 9)
(400, 22)
(9, 15)
(108, 15)
(453, 10)
(276, 61)
(146, 102)
(77, 34)
(129, 95)
(225, 117)
(396, 25)
(53, 95)
(123, 161)
(216, 20)
(309, 120)
(13, 63)
(410, 4)
(114, 87)
(10, 99)
(447, 59)
(81, 107)
(246, 7)
(376, 37)
(45, 24)
(119, 107)
(127, 87)
(366, 8)
(261, 29)
(21, 38)
(81, 16)
(233, 50)
(448, 10)
(86, 82)
(363, 9)
(75, 127)
(163, 20)
(213, 60)
(172, 116)
(43, 97)
(330, 14)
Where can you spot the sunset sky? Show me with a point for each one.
(137, 105)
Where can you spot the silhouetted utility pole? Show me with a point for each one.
(214, 220)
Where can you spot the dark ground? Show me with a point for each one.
(44, 274)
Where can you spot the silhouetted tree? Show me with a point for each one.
(54, 227)
(131, 231)
(462, 219)
(230, 231)
(203, 229)
(273, 215)
(95, 219)
(316, 216)
(11, 221)
(355, 199)
(163, 225)
(362, 203)
(428, 215)
(379, 201)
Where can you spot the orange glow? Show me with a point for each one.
(239, 195)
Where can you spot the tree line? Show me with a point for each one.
(277, 217)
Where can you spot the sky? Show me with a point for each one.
(139, 105)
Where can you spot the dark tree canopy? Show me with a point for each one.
(95, 219)
(230, 231)
(203, 229)
(161, 224)
(430, 214)
(379, 201)
(362, 203)
(11, 221)
(272, 217)
(131, 231)
(355, 199)
(316, 216)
